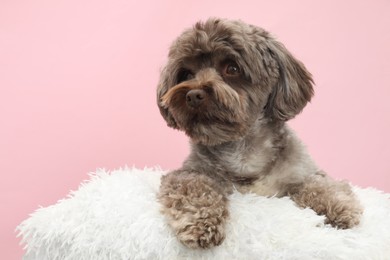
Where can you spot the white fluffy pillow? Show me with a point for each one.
(116, 216)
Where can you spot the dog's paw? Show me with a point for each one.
(203, 234)
(344, 216)
(196, 207)
(333, 199)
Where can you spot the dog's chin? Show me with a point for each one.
(213, 131)
(212, 123)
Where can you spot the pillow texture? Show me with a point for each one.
(115, 215)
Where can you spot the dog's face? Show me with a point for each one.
(223, 75)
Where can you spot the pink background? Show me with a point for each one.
(78, 79)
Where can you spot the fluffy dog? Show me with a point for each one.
(231, 87)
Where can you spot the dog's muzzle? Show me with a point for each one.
(207, 87)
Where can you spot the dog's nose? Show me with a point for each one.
(195, 97)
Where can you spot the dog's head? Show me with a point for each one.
(223, 75)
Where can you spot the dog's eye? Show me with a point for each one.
(184, 75)
(231, 69)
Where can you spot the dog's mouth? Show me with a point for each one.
(207, 114)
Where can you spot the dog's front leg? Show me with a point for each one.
(196, 208)
(328, 197)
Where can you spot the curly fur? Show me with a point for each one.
(231, 87)
(198, 200)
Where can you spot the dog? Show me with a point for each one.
(231, 87)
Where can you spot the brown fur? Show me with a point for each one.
(198, 205)
(230, 87)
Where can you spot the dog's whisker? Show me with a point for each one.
(167, 97)
(226, 95)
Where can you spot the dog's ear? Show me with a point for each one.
(294, 87)
(166, 80)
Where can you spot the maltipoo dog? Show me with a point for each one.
(231, 87)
